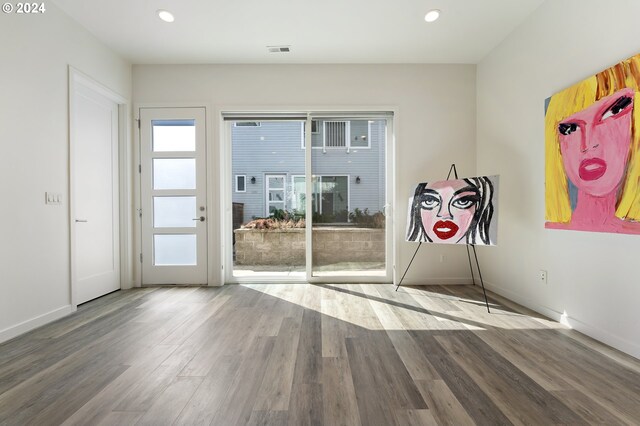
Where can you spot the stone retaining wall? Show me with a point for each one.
(287, 246)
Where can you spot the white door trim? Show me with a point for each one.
(75, 78)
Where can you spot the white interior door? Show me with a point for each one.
(173, 188)
(94, 193)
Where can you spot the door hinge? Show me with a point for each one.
(139, 212)
(140, 257)
(138, 120)
(139, 168)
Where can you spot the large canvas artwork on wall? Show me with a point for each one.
(592, 170)
(461, 211)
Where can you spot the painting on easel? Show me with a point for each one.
(592, 139)
(460, 211)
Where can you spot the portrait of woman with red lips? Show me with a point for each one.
(592, 160)
(595, 143)
(453, 212)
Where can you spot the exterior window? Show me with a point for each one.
(336, 134)
(247, 124)
(330, 202)
(241, 183)
(360, 133)
(330, 134)
(299, 191)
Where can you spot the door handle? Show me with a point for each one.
(81, 221)
(201, 218)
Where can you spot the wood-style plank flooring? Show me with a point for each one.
(312, 355)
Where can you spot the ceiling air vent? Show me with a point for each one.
(279, 49)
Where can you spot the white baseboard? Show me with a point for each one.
(599, 334)
(590, 330)
(440, 281)
(28, 325)
(515, 297)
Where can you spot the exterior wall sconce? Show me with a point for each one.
(358, 180)
(253, 180)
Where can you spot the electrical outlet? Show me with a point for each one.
(543, 276)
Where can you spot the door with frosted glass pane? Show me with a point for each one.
(174, 207)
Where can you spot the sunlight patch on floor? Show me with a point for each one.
(379, 307)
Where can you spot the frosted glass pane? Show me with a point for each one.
(174, 173)
(174, 135)
(175, 249)
(174, 212)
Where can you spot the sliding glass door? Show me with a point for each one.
(307, 197)
(349, 185)
(268, 238)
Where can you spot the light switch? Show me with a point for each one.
(52, 198)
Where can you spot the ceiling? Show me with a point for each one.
(328, 31)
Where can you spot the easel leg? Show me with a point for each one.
(408, 266)
(473, 279)
(480, 274)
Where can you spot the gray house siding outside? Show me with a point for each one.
(276, 148)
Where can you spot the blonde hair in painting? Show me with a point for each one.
(574, 99)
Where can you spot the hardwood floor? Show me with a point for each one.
(312, 355)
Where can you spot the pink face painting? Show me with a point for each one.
(447, 209)
(595, 143)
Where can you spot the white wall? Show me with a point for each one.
(435, 125)
(34, 238)
(592, 277)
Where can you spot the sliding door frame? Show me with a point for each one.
(390, 114)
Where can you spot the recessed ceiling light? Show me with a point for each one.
(432, 15)
(165, 15)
